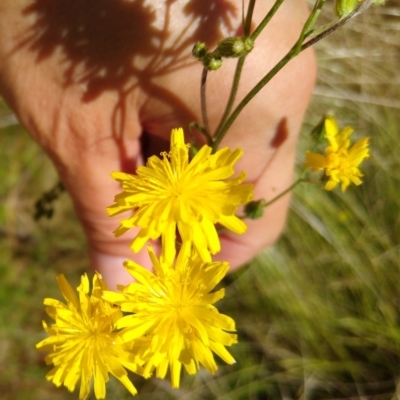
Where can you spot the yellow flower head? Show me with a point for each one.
(340, 162)
(172, 193)
(82, 340)
(174, 321)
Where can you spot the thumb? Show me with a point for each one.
(86, 177)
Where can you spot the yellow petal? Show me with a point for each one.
(233, 223)
(67, 290)
(315, 161)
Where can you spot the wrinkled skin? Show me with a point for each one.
(99, 85)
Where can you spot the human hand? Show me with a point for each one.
(100, 84)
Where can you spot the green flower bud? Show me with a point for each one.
(345, 7)
(255, 209)
(199, 50)
(318, 132)
(212, 61)
(193, 150)
(235, 46)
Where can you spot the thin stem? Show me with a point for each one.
(226, 123)
(201, 130)
(286, 191)
(249, 17)
(298, 47)
(324, 33)
(224, 128)
(267, 18)
(363, 6)
(243, 13)
(232, 96)
(312, 18)
(290, 188)
(238, 70)
(204, 103)
(303, 178)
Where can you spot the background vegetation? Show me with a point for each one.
(318, 313)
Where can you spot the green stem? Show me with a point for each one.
(249, 17)
(239, 68)
(203, 99)
(232, 96)
(294, 51)
(286, 191)
(201, 130)
(312, 19)
(267, 18)
(303, 178)
(227, 124)
(298, 47)
(362, 7)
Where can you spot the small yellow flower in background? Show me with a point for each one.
(340, 162)
(174, 321)
(172, 193)
(82, 342)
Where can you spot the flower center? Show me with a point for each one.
(338, 160)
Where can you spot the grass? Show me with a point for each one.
(318, 313)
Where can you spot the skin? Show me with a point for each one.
(99, 85)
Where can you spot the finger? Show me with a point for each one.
(267, 131)
(88, 181)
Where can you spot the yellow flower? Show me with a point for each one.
(82, 340)
(172, 193)
(174, 321)
(340, 163)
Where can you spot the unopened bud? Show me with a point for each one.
(193, 150)
(255, 209)
(318, 132)
(199, 50)
(235, 46)
(345, 7)
(212, 61)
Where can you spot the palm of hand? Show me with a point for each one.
(101, 84)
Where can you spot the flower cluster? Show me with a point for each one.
(166, 319)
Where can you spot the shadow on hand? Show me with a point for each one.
(117, 45)
(101, 40)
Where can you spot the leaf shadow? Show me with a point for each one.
(118, 45)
